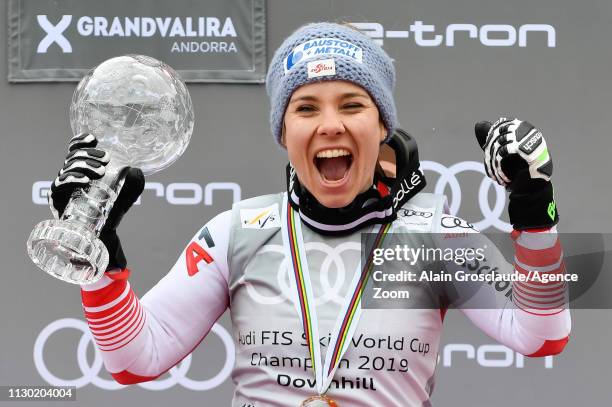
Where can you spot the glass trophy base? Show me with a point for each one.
(68, 251)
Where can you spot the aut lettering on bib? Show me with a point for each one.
(320, 47)
(323, 67)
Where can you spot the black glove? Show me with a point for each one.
(516, 157)
(83, 164)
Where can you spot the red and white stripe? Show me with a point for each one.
(539, 251)
(113, 312)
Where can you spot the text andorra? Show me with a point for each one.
(405, 187)
(203, 47)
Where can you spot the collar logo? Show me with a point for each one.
(413, 210)
(292, 176)
(416, 217)
(260, 218)
(406, 186)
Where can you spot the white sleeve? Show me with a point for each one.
(529, 317)
(140, 340)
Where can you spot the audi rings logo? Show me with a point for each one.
(451, 222)
(331, 266)
(410, 212)
(90, 373)
(448, 176)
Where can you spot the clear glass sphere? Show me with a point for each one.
(138, 108)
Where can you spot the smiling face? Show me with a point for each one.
(332, 131)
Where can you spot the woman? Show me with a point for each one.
(298, 341)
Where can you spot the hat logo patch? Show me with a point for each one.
(322, 47)
(323, 67)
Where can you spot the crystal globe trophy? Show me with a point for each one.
(140, 111)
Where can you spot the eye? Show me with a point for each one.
(352, 105)
(305, 108)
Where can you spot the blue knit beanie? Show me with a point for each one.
(329, 52)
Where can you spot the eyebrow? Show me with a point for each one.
(303, 99)
(311, 98)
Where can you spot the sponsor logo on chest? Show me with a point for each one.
(260, 218)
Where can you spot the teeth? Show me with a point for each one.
(331, 153)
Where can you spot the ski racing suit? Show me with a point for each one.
(237, 261)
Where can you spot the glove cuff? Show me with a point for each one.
(116, 258)
(530, 209)
(118, 274)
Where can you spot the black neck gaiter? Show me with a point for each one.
(378, 204)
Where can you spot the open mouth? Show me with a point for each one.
(333, 164)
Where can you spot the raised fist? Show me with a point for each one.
(511, 146)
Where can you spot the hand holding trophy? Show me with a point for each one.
(140, 112)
